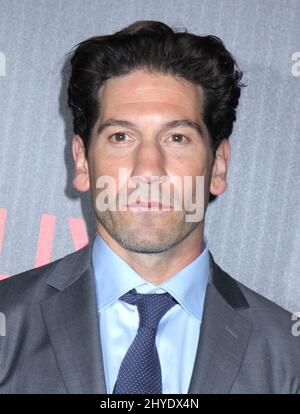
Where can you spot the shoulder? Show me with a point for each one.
(245, 299)
(261, 304)
(271, 323)
(274, 340)
(29, 285)
(267, 318)
(263, 311)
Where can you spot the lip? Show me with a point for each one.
(155, 205)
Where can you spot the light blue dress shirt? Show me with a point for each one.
(178, 331)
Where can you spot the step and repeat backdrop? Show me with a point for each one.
(253, 229)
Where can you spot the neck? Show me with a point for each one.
(157, 268)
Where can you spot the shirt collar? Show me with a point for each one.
(114, 277)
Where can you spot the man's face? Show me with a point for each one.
(147, 146)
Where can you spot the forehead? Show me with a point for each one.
(141, 93)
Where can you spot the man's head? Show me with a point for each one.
(128, 92)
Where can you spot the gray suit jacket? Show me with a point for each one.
(52, 342)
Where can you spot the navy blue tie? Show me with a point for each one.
(140, 371)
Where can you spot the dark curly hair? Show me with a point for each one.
(152, 45)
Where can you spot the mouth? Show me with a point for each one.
(150, 205)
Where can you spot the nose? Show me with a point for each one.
(149, 161)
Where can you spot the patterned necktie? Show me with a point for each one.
(140, 371)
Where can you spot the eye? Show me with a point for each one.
(179, 138)
(119, 137)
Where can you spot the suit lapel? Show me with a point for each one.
(224, 336)
(71, 319)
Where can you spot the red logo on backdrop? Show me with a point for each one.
(46, 236)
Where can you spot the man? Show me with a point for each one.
(144, 308)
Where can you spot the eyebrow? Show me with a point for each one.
(172, 124)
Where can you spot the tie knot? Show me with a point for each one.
(151, 307)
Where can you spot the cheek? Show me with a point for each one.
(101, 163)
(104, 167)
(189, 166)
(107, 159)
(194, 161)
(100, 169)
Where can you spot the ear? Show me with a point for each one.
(81, 180)
(218, 183)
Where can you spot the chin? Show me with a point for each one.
(146, 248)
